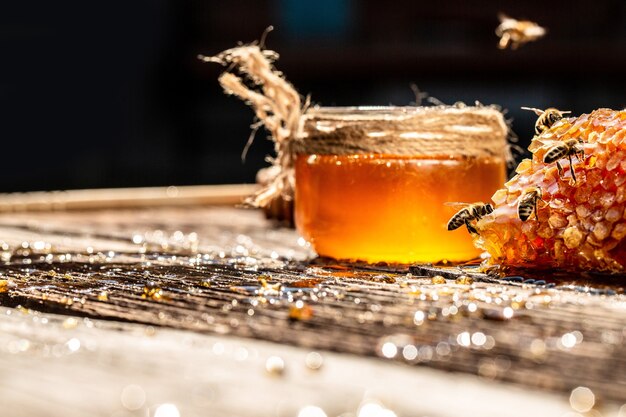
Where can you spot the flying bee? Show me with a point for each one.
(569, 148)
(547, 118)
(470, 212)
(528, 203)
(514, 33)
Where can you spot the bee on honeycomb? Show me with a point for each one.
(581, 225)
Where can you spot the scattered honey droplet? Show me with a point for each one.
(267, 288)
(206, 283)
(275, 366)
(438, 279)
(4, 285)
(314, 361)
(305, 283)
(444, 292)
(538, 348)
(133, 397)
(582, 399)
(70, 323)
(103, 296)
(67, 301)
(300, 311)
(167, 410)
(415, 292)
(418, 317)
(464, 280)
(150, 331)
(152, 291)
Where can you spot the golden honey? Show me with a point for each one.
(390, 208)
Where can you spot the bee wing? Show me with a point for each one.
(503, 17)
(456, 204)
(538, 112)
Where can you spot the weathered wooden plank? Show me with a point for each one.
(57, 366)
(226, 271)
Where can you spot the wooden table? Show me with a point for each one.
(211, 310)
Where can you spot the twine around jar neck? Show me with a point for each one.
(471, 131)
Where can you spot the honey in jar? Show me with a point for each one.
(372, 184)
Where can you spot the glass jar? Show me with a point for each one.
(372, 183)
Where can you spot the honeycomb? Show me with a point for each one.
(580, 224)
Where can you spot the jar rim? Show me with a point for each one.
(362, 110)
(386, 112)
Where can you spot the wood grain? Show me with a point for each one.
(228, 272)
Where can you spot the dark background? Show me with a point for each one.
(110, 93)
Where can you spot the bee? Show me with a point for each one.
(569, 148)
(474, 211)
(547, 118)
(528, 203)
(517, 32)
